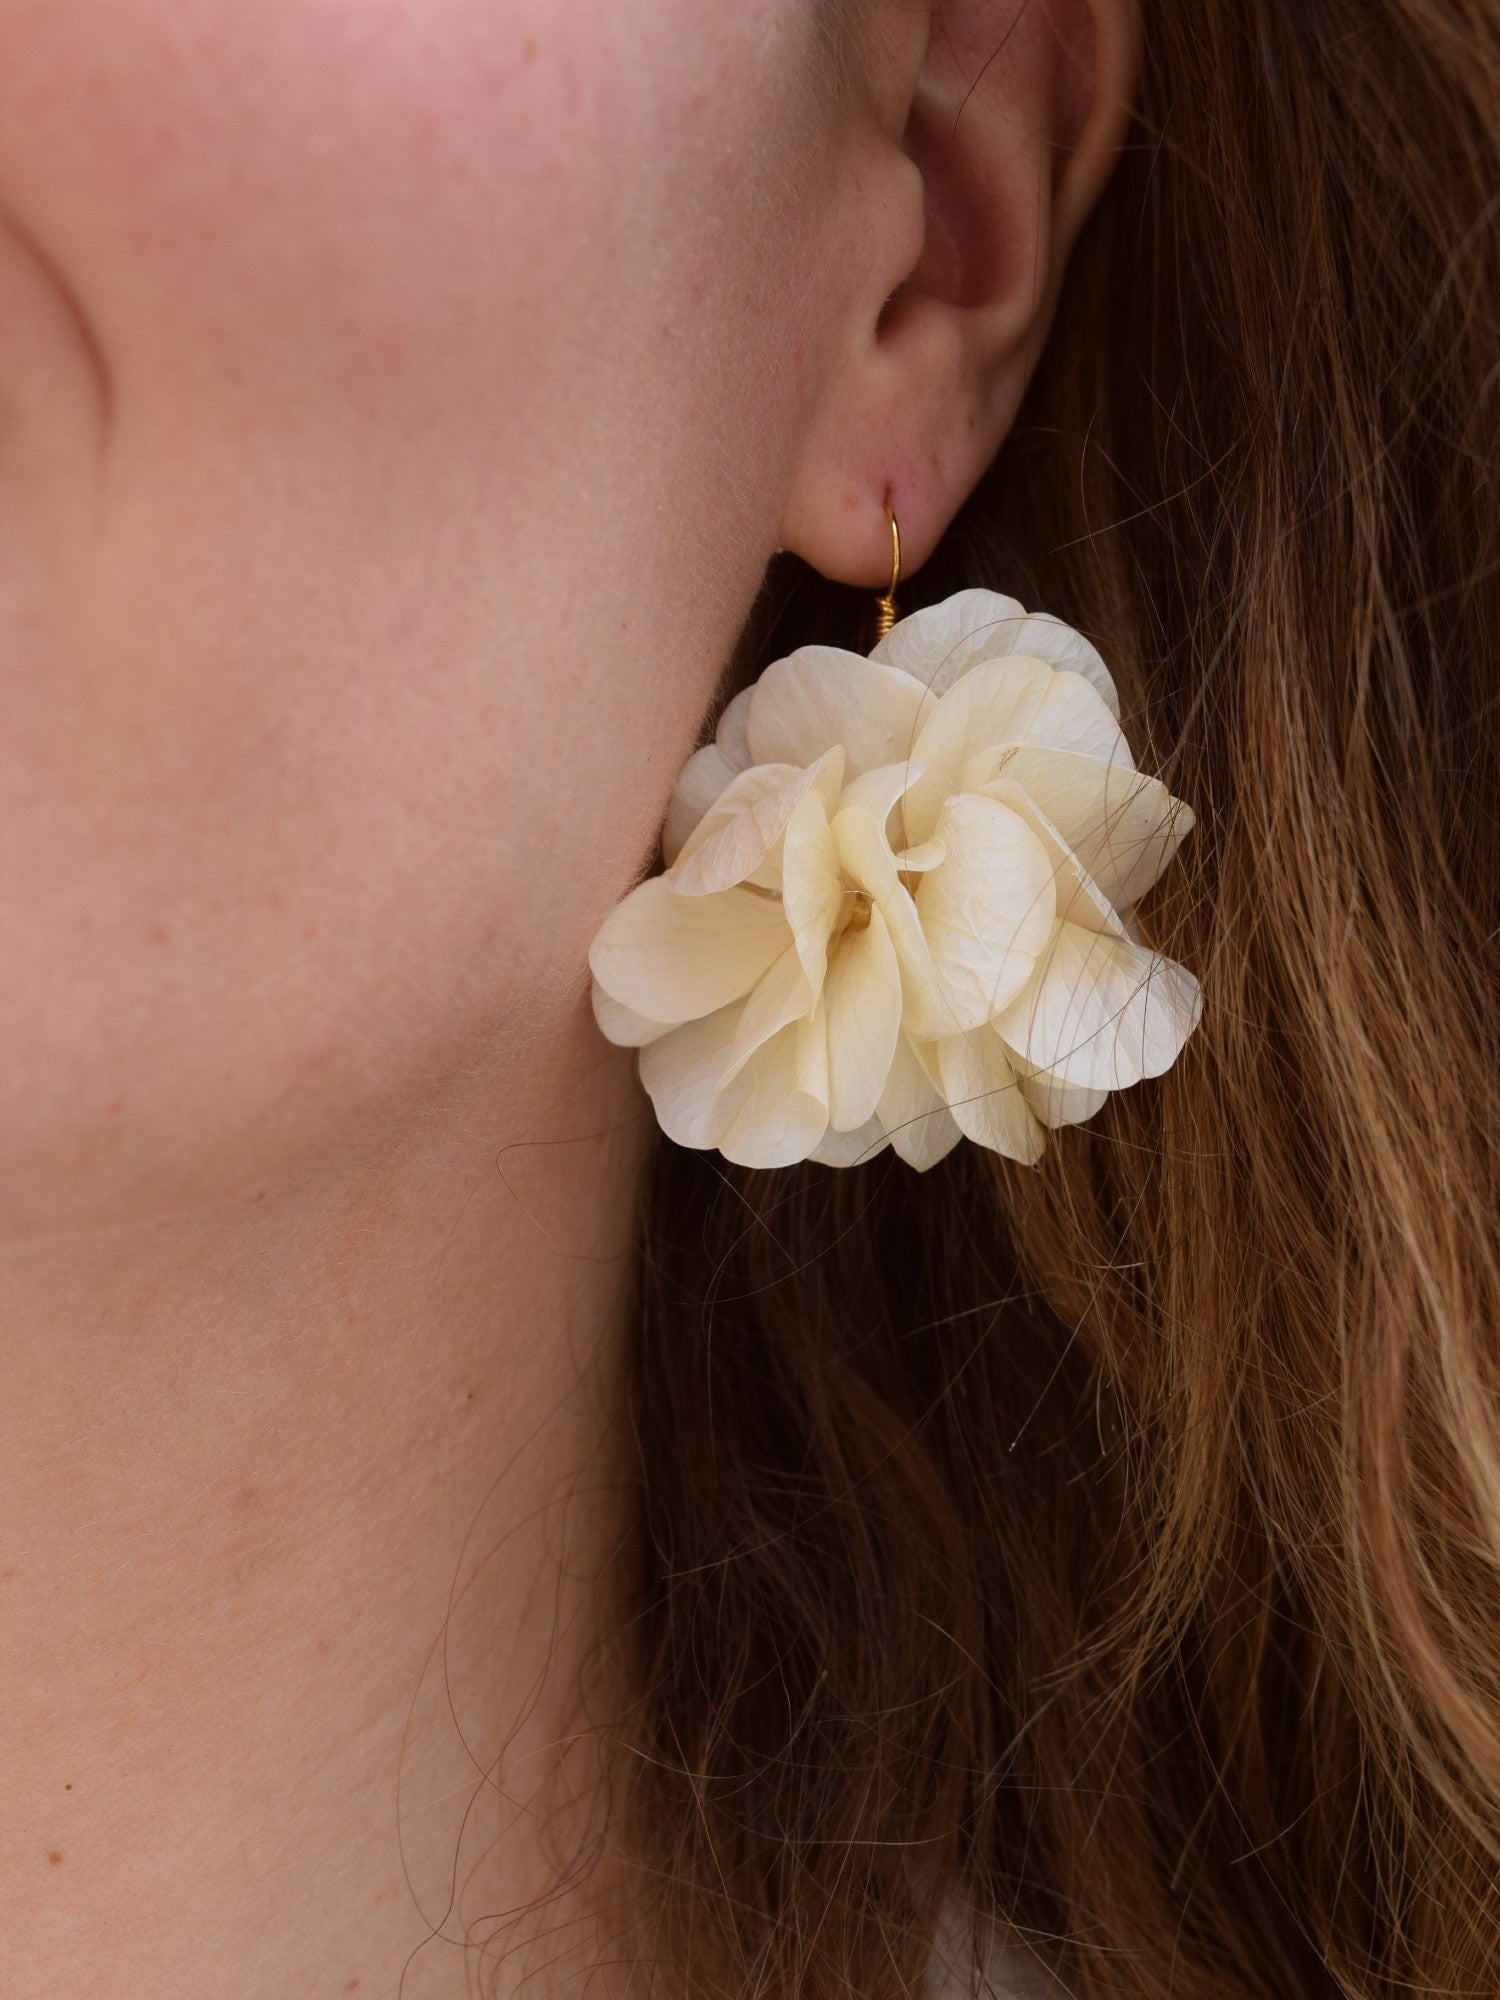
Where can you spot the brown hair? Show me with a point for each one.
(1116, 1543)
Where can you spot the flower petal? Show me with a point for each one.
(864, 853)
(925, 1054)
(941, 642)
(939, 645)
(781, 997)
(1080, 900)
(991, 705)
(850, 1149)
(737, 833)
(819, 696)
(922, 1129)
(732, 735)
(674, 958)
(862, 1003)
(811, 890)
(681, 1074)
(984, 1094)
(925, 1013)
(742, 792)
(987, 909)
(763, 1119)
(1123, 826)
(866, 859)
(1102, 1012)
(1047, 638)
(1059, 1103)
(875, 792)
(1072, 715)
(1014, 700)
(810, 1057)
(702, 780)
(620, 1025)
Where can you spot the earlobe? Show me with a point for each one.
(1014, 123)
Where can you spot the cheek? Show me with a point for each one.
(301, 186)
(437, 469)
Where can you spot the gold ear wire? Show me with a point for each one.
(885, 607)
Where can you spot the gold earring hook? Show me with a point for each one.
(885, 607)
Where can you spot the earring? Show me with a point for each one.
(885, 607)
(895, 903)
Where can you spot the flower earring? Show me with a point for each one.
(895, 906)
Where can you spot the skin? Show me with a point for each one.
(399, 401)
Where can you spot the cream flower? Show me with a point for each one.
(894, 906)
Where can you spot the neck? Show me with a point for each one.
(302, 1497)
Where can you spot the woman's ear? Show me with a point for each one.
(1017, 114)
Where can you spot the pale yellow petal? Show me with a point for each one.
(1102, 1012)
(819, 696)
(850, 1149)
(940, 643)
(621, 1025)
(681, 1075)
(984, 1094)
(990, 705)
(1073, 715)
(926, 1055)
(864, 853)
(1122, 826)
(1080, 900)
(782, 997)
(1055, 1103)
(988, 909)
(733, 731)
(866, 859)
(1013, 700)
(762, 1117)
(913, 1111)
(705, 776)
(811, 889)
(926, 1013)
(738, 832)
(810, 1056)
(766, 874)
(674, 958)
(876, 792)
(862, 1000)
(741, 794)
(1049, 639)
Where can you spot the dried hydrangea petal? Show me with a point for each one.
(898, 907)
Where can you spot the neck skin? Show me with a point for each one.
(254, 1461)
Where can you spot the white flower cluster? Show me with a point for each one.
(894, 906)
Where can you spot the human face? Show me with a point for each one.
(396, 398)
